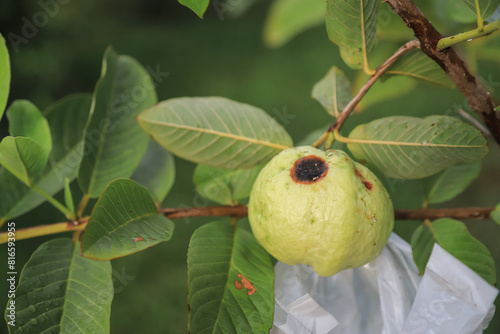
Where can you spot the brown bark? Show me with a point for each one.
(417, 214)
(478, 98)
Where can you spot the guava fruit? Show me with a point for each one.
(320, 208)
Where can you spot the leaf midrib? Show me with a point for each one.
(217, 133)
(108, 233)
(106, 125)
(231, 264)
(346, 140)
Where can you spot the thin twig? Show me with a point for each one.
(474, 122)
(366, 87)
(239, 211)
(456, 213)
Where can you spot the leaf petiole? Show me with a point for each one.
(68, 213)
(468, 35)
(83, 203)
(480, 25)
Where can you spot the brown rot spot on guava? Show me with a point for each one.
(374, 244)
(358, 173)
(368, 185)
(309, 169)
(137, 239)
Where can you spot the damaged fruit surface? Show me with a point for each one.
(321, 209)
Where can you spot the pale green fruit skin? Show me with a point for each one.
(332, 224)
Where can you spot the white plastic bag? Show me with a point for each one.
(385, 296)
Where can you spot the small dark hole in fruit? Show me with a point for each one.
(309, 169)
(368, 185)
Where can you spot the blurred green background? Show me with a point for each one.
(216, 57)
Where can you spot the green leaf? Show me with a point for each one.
(417, 64)
(451, 182)
(333, 91)
(215, 131)
(114, 142)
(124, 221)
(486, 7)
(411, 148)
(67, 119)
(23, 157)
(225, 186)
(62, 292)
(288, 18)
(392, 87)
(452, 236)
(26, 120)
(495, 214)
(352, 25)
(197, 6)
(220, 257)
(156, 171)
(4, 75)
(459, 12)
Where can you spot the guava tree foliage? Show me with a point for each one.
(102, 142)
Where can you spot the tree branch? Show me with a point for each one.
(379, 71)
(477, 97)
(456, 213)
(239, 211)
